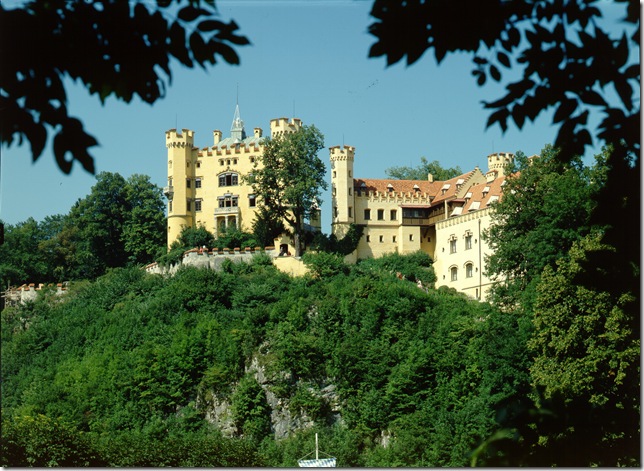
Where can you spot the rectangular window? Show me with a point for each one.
(452, 246)
(382, 238)
(252, 201)
(188, 205)
(381, 214)
(349, 191)
(368, 238)
(198, 205)
(350, 212)
(170, 206)
(187, 183)
(367, 214)
(393, 239)
(335, 211)
(393, 215)
(468, 242)
(197, 182)
(228, 179)
(411, 237)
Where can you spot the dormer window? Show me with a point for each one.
(416, 188)
(468, 195)
(445, 188)
(390, 188)
(486, 190)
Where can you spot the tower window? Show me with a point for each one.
(367, 214)
(381, 214)
(350, 212)
(198, 205)
(187, 183)
(197, 182)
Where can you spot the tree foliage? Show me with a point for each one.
(289, 177)
(118, 49)
(546, 206)
(121, 222)
(567, 60)
(423, 170)
(131, 361)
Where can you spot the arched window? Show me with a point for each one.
(469, 270)
(453, 272)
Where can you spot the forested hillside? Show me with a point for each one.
(241, 367)
(123, 367)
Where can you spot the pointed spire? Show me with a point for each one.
(237, 131)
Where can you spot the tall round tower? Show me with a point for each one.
(342, 189)
(180, 173)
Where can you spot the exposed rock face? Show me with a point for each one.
(284, 420)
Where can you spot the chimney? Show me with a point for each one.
(430, 178)
(217, 136)
(258, 132)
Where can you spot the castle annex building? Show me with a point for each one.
(205, 185)
(442, 218)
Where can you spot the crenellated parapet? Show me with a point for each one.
(179, 139)
(498, 161)
(281, 126)
(342, 153)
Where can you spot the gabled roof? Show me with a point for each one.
(454, 186)
(481, 198)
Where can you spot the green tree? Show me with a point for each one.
(585, 372)
(115, 49)
(423, 170)
(191, 237)
(144, 228)
(266, 226)
(289, 177)
(546, 206)
(587, 352)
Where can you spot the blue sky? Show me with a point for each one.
(307, 59)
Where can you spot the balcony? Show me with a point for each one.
(227, 210)
(168, 191)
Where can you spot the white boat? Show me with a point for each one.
(317, 462)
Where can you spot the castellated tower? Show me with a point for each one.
(180, 169)
(281, 126)
(342, 189)
(498, 161)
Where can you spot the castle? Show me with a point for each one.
(442, 218)
(206, 187)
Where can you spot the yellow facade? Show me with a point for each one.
(442, 218)
(206, 185)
